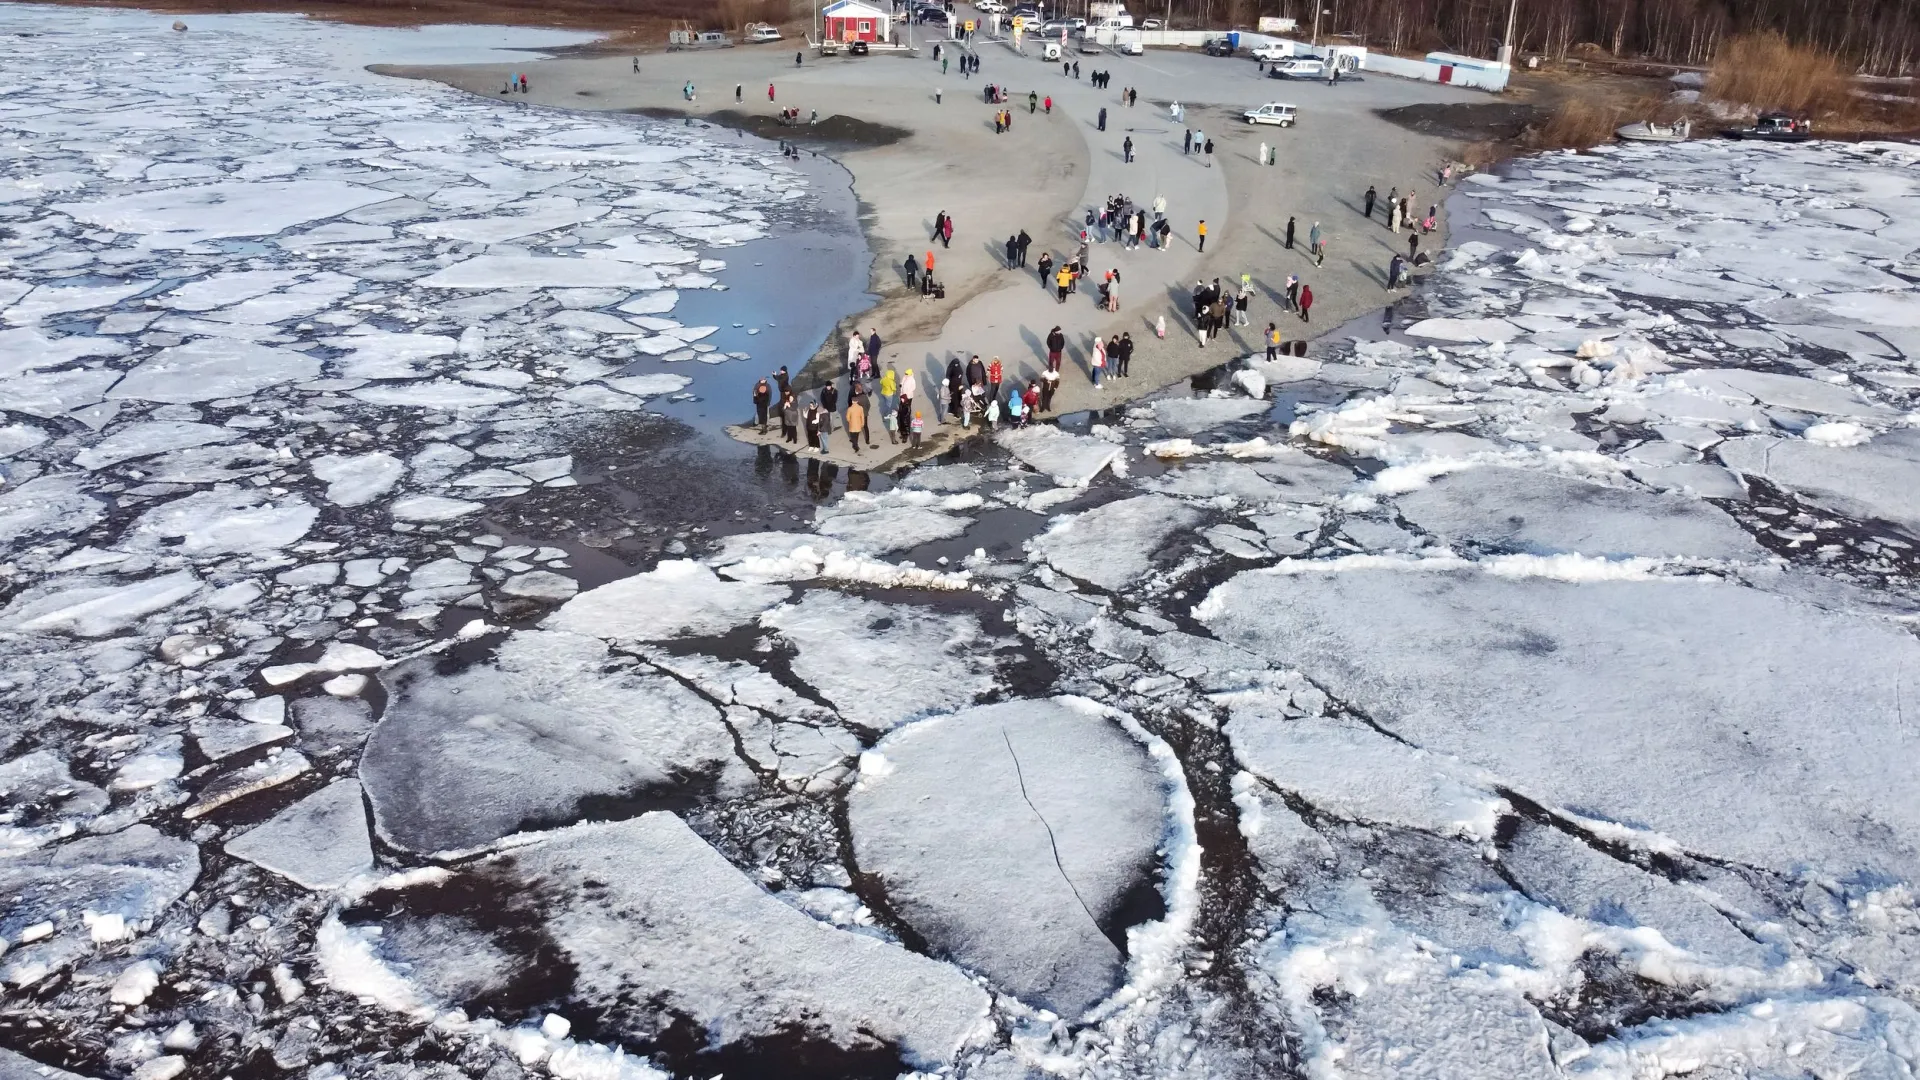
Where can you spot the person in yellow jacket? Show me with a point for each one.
(889, 395)
(1063, 281)
(1203, 234)
(1273, 341)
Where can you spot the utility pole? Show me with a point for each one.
(1506, 43)
(1316, 22)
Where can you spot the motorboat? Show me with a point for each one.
(1648, 131)
(1773, 127)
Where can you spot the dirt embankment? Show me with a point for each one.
(831, 131)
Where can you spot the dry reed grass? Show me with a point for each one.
(1582, 122)
(1766, 71)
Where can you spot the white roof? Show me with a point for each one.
(855, 8)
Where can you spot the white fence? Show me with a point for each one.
(1488, 78)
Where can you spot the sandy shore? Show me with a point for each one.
(1043, 175)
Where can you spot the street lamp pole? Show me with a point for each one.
(1506, 43)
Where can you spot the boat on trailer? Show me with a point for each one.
(1648, 131)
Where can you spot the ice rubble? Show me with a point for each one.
(532, 737)
(1009, 836)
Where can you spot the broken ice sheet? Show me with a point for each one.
(547, 729)
(1020, 838)
(882, 665)
(1113, 545)
(677, 598)
(1455, 662)
(765, 975)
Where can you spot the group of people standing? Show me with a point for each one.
(974, 390)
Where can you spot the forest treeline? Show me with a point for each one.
(1880, 37)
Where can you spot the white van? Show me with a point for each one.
(1050, 52)
(1111, 22)
(1273, 112)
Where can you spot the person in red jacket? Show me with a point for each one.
(1306, 302)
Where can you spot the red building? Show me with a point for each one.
(850, 20)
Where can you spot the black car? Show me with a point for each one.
(1219, 47)
(858, 48)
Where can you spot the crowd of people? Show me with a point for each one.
(976, 392)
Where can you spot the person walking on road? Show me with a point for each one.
(1293, 292)
(1056, 343)
(1273, 342)
(1186, 147)
(873, 345)
(1202, 231)
(1209, 153)
(1013, 252)
(1103, 118)
(913, 272)
(1306, 303)
(1021, 244)
(1033, 102)
(946, 232)
(1290, 221)
(1045, 267)
(1126, 151)
(1371, 196)
(1313, 239)
(1063, 281)
(769, 91)
(1395, 271)
(939, 223)
(1049, 104)
(739, 93)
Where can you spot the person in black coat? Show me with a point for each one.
(1289, 233)
(1371, 196)
(762, 398)
(782, 382)
(829, 403)
(1013, 252)
(1021, 244)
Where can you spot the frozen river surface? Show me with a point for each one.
(1519, 696)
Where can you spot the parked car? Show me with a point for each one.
(858, 48)
(1050, 52)
(1219, 47)
(1132, 48)
(1300, 68)
(1273, 53)
(1028, 15)
(1273, 112)
(1152, 24)
(1090, 47)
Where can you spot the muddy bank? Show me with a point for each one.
(832, 131)
(1490, 122)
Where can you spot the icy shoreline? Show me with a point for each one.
(1519, 694)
